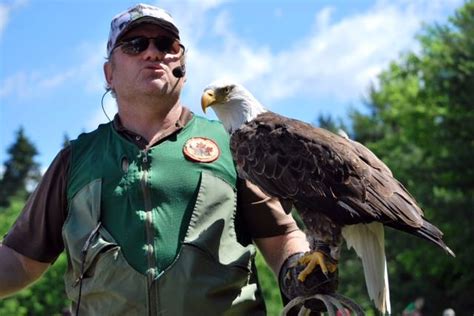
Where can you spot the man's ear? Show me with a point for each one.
(108, 74)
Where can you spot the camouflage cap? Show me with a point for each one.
(139, 13)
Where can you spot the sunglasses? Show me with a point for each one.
(136, 45)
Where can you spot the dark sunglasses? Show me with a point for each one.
(136, 45)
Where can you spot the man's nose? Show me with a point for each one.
(153, 53)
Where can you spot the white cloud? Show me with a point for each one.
(340, 59)
(56, 80)
(5, 11)
(191, 15)
(35, 83)
(13, 84)
(90, 69)
(230, 56)
(336, 60)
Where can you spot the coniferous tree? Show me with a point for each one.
(19, 169)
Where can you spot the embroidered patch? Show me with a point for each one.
(201, 149)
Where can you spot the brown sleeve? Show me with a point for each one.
(36, 233)
(263, 216)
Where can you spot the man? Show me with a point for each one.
(148, 207)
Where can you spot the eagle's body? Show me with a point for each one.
(338, 186)
(325, 175)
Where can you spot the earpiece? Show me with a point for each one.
(107, 90)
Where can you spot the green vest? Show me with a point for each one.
(166, 240)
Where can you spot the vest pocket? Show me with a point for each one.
(110, 285)
(101, 251)
(212, 224)
(216, 289)
(91, 263)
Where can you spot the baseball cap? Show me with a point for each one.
(140, 13)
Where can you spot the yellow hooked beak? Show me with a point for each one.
(208, 98)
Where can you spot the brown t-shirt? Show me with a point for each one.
(37, 233)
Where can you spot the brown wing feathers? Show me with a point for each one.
(295, 161)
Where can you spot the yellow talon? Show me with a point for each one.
(311, 260)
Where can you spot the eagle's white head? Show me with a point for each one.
(234, 105)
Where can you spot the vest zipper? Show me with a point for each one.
(150, 239)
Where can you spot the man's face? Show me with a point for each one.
(148, 72)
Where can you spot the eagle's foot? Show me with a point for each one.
(311, 260)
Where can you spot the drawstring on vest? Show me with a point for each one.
(84, 250)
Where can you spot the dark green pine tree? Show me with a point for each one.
(20, 168)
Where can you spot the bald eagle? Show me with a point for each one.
(338, 186)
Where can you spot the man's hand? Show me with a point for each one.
(315, 283)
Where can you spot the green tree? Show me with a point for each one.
(421, 123)
(20, 168)
(46, 296)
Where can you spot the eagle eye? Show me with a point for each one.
(228, 88)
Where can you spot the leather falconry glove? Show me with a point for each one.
(315, 283)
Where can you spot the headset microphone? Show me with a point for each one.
(179, 71)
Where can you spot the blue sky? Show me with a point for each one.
(301, 58)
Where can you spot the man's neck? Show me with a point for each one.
(151, 122)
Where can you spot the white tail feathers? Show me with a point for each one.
(368, 242)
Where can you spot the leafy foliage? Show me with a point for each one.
(45, 297)
(421, 124)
